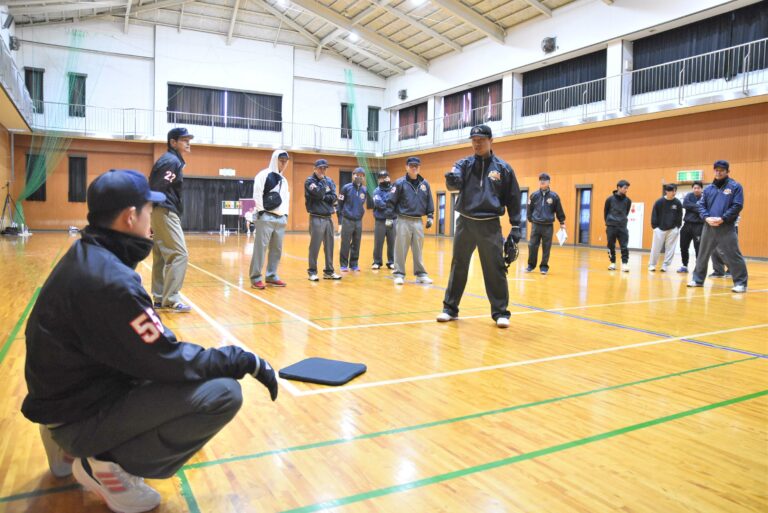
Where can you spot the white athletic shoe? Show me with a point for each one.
(694, 283)
(123, 492)
(502, 322)
(399, 280)
(59, 461)
(612, 267)
(313, 277)
(445, 317)
(625, 267)
(652, 268)
(739, 289)
(424, 279)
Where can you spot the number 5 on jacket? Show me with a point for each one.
(148, 327)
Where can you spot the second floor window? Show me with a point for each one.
(33, 79)
(77, 95)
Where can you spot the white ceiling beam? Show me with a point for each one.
(127, 16)
(369, 55)
(546, 11)
(335, 33)
(77, 6)
(416, 23)
(232, 22)
(369, 35)
(181, 18)
(288, 21)
(472, 17)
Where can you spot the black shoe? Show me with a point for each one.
(544, 270)
(157, 305)
(529, 269)
(390, 266)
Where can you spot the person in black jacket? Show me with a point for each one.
(615, 213)
(411, 198)
(384, 227)
(693, 226)
(666, 219)
(107, 381)
(169, 254)
(487, 186)
(351, 209)
(543, 207)
(321, 200)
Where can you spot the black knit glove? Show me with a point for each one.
(266, 376)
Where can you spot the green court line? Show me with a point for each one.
(335, 503)
(453, 420)
(186, 492)
(17, 327)
(40, 493)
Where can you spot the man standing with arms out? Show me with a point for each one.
(110, 384)
(487, 185)
(412, 199)
(617, 208)
(719, 207)
(351, 209)
(320, 200)
(271, 195)
(385, 217)
(693, 225)
(169, 253)
(666, 219)
(544, 206)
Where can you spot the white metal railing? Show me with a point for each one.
(733, 72)
(13, 83)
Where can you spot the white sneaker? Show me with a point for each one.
(424, 279)
(445, 317)
(739, 289)
(612, 267)
(625, 267)
(59, 461)
(694, 283)
(652, 268)
(123, 492)
(502, 322)
(313, 277)
(399, 280)
(663, 269)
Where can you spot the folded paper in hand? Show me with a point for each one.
(562, 236)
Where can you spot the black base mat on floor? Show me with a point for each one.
(322, 371)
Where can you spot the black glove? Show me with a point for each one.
(266, 376)
(453, 181)
(511, 251)
(429, 223)
(514, 234)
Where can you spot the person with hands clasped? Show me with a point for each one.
(321, 201)
(411, 199)
(108, 383)
(487, 186)
(384, 228)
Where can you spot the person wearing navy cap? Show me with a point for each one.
(107, 382)
(350, 210)
(385, 217)
(487, 187)
(412, 199)
(321, 200)
(543, 208)
(170, 255)
(719, 207)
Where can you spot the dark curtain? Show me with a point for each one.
(33, 79)
(412, 122)
(347, 112)
(195, 106)
(373, 123)
(36, 173)
(551, 79)
(76, 95)
(683, 44)
(472, 106)
(78, 176)
(202, 202)
(453, 110)
(254, 111)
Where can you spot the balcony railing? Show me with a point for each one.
(726, 74)
(13, 83)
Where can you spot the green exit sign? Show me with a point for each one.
(690, 175)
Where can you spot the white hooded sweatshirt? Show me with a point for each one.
(282, 186)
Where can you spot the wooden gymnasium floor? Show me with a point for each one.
(611, 391)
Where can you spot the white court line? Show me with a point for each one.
(520, 363)
(249, 293)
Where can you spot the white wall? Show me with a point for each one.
(578, 26)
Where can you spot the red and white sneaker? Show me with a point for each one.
(59, 461)
(123, 492)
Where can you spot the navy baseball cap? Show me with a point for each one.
(321, 163)
(416, 161)
(359, 170)
(118, 189)
(481, 131)
(544, 176)
(722, 163)
(383, 173)
(670, 187)
(178, 133)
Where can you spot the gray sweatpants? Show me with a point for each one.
(268, 237)
(666, 239)
(381, 232)
(156, 427)
(725, 239)
(351, 232)
(320, 232)
(409, 232)
(169, 256)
